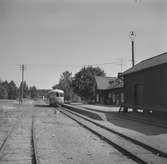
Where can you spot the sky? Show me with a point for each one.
(52, 36)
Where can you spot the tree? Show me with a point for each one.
(5, 85)
(3, 89)
(65, 83)
(3, 92)
(12, 90)
(33, 92)
(84, 82)
(8, 90)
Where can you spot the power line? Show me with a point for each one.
(119, 62)
(92, 64)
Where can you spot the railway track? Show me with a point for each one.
(5, 139)
(35, 159)
(9, 132)
(11, 135)
(134, 149)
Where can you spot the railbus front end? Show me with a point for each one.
(55, 97)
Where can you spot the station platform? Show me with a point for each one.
(98, 108)
(115, 109)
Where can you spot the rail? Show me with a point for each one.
(155, 153)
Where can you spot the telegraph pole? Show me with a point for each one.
(22, 81)
(121, 63)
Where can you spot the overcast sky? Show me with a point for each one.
(51, 36)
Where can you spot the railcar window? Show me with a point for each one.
(61, 94)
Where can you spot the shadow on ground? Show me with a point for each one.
(41, 105)
(138, 126)
(90, 114)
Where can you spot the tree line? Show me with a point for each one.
(77, 88)
(81, 86)
(9, 90)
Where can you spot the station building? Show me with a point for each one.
(145, 84)
(109, 90)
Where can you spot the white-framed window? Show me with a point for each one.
(97, 97)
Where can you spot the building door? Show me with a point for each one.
(97, 97)
(139, 89)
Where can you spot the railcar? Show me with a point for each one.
(55, 97)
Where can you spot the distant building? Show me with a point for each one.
(109, 90)
(42, 92)
(145, 84)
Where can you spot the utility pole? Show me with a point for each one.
(133, 60)
(132, 36)
(22, 81)
(121, 63)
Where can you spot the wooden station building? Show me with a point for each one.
(145, 84)
(109, 90)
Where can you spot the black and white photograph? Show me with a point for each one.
(83, 81)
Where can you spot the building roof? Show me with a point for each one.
(106, 83)
(56, 90)
(148, 63)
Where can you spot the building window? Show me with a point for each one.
(97, 97)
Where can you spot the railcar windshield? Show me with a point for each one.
(61, 94)
(57, 93)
